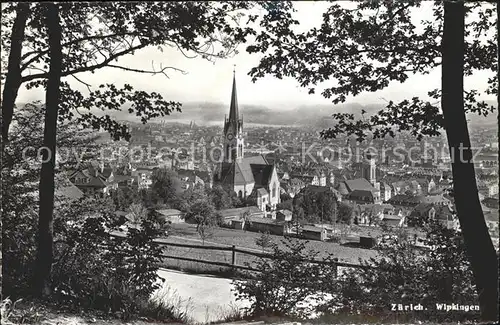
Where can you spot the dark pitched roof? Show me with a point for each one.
(318, 189)
(106, 172)
(66, 190)
(240, 172)
(435, 199)
(262, 174)
(262, 191)
(363, 195)
(233, 109)
(267, 221)
(95, 179)
(359, 184)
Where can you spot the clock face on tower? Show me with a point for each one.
(231, 139)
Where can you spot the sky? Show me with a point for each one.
(205, 81)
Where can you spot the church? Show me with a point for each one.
(251, 176)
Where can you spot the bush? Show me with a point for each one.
(407, 275)
(95, 270)
(286, 283)
(18, 252)
(264, 241)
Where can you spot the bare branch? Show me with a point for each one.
(83, 82)
(88, 68)
(183, 53)
(39, 54)
(153, 71)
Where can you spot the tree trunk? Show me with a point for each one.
(46, 188)
(478, 243)
(13, 77)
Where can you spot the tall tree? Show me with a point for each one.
(93, 36)
(478, 242)
(366, 45)
(316, 206)
(47, 186)
(345, 213)
(220, 198)
(166, 185)
(13, 80)
(96, 35)
(203, 214)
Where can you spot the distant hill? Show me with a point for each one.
(318, 116)
(308, 115)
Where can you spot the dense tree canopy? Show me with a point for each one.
(315, 205)
(363, 47)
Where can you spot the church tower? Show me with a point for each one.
(369, 169)
(234, 145)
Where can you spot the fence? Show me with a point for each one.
(239, 251)
(234, 252)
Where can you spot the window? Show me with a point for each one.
(274, 190)
(240, 194)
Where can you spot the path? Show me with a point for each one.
(206, 298)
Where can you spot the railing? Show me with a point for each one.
(234, 251)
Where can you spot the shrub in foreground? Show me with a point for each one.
(403, 274)
(287, 284)
(96, 270)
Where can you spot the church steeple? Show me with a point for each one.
(233, 109)
(233, 129)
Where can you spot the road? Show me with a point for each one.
(206, 298)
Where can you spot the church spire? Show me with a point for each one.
(233, 110)
(233, 129)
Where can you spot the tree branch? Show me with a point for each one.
(86, 69)
(153, 72)
(83, 39)
(83, 82)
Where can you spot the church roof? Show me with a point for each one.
(241, 172)
(359, 184)
(261, 192)
(262, 173)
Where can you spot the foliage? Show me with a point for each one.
(95, 270)
(286, 282)
(264, 241)
(347, 56)
(137, 212)
(316, 206)
(345, 213)
(220, 198)
(285, 205)
(284, 197)
(95, 35)
(123, 197)
(6, 309)
(166, 187)
(202, 212)
(20, 174)
(405, 274)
